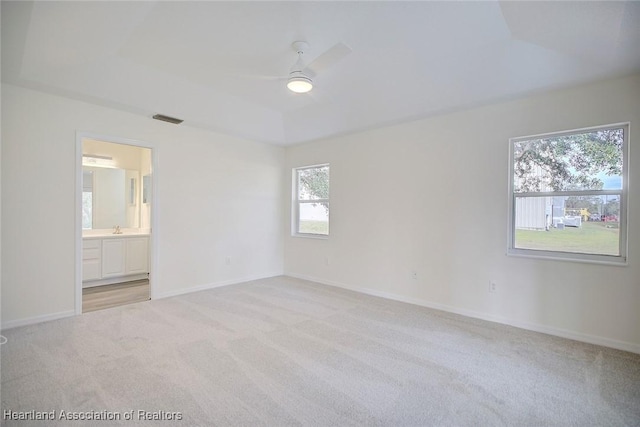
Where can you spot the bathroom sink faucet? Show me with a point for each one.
(116, 230)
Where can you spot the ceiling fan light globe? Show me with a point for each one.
(299, 84)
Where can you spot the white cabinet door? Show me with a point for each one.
(91, 259)
(91, 270)
(113, 257)
(137, 255)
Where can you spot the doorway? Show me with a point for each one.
(115, 204)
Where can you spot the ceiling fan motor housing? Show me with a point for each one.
(298, 81)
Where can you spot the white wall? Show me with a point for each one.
(145, 205)
(435, 193)
(217, 196)
(435, 196)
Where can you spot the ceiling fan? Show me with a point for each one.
(300, 76)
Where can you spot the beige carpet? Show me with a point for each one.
(282, 351)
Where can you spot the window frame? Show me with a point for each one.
(623, 193)
(296, 202)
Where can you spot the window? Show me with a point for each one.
(311, 200)
(568, 195)
(87, 199)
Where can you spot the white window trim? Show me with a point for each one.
(621, 259)
(295, 214)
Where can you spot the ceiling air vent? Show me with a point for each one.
(167, 119)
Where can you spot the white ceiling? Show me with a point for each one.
(223, 65)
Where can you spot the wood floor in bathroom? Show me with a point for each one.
(107, 296)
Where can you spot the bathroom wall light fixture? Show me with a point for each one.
(98, 161)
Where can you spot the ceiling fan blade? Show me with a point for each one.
(327, 59)
(263, 77)
(268, 78)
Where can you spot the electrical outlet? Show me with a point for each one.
(493, 286)
(414, 275)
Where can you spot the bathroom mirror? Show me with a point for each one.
(110, 197)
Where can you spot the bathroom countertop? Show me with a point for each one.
(106, 234)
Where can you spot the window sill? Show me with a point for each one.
(310, 236)
(571, 257)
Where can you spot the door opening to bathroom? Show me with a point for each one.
(115, 217)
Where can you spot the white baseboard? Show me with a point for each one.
(564, 333)
(214, 285)
(37, 319)
(536, 327)
(55, 316)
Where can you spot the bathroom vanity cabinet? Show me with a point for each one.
(114, 258)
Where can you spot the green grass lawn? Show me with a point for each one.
(591, 238)
(314, 227)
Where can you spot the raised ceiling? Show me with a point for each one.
(223, 65)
